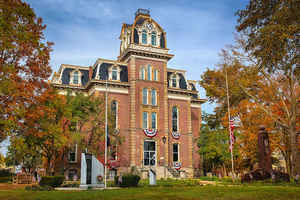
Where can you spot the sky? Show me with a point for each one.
(84, 30)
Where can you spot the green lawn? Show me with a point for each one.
(163, 192)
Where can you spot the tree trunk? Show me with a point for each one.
(295, 154)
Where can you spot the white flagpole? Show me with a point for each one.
(105, 159)
(229, 129)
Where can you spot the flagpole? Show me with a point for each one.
(229, 128)
(105, 158)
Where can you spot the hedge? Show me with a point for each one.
(129, 180)
(53, 181)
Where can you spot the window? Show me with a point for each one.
(174, 119)
(73, 154)
(149, 153)
(145, 96)
(114, 75)
(144, 37)
(149, 72)
(175, 152)
(143, 73)
(153, 120)
(153, 97)
(75, 77)
(153, 38)
(145, 120)
(174, 81)
(155, 78)
(72, 175)
(114, 110)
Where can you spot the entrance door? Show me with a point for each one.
(88, 158)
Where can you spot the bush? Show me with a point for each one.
(5, 173)
(130, 180)
(53, 181)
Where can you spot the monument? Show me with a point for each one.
(264, 153)
(92, 171)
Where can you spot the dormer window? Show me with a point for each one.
(144, 37)
(114, 73)
(75, 77)
(153, 38)
(174, 81)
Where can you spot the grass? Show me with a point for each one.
(238, 192)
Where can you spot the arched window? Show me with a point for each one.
(144, 37)
(153, 97)
(153, 38)
(153, 120)
(174, 119)
(145, 96)
(174, 81)
(114, 73)
(143, 73)
(149, 72)
(114, 113)
(75, 77)
(155, 74)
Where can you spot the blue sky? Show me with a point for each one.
(84, 30)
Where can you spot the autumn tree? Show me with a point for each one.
(24, 62)
(272, 30)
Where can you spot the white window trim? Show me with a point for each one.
(141, 75)
(155, 74)
(149, 74)
(154, 154)
(72, 77)
(177, 80)
(110, 73)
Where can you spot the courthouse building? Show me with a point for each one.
(157, 109)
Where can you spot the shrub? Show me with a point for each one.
(53, 181)
(5, 173)
(130, 180)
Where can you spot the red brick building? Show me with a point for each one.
(158, 111)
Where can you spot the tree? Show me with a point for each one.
(272, 31)
(24, 62)
(214, 145)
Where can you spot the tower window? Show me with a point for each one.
(144, 37)
(145, 120)
(153, 120)
(153, 97)
(153, 38)
(174, 119)
(114, 74)
(75, 77)
(145, 96)
(174, 81)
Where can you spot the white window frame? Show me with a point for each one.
(110, 71)
(155, 153)
(153, 33)
(143, 73)
(149, 74)
(155, 74)
(72, 77)
(144, 32)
